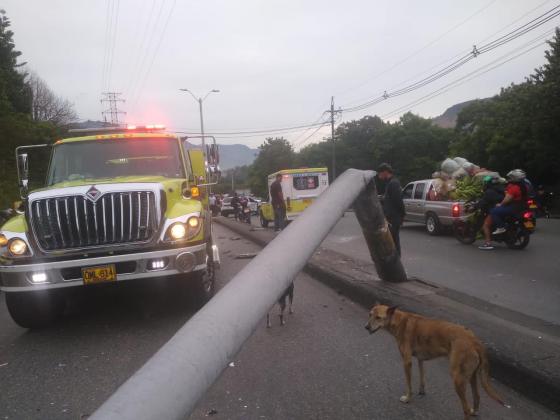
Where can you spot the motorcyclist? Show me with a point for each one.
(493, 194)
(244, 203)
(513, 203)
(235, 204)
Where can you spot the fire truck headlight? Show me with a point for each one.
(178, 231)
(17, 247)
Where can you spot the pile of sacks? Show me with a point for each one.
(454, 169)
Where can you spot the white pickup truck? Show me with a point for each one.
(424, 205)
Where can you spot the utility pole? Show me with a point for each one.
(333, 112)
(113, 98)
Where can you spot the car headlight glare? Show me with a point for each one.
(178, 231)
(17, 247)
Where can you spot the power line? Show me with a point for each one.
(258, 132)
(108, 18)
(158, 46)
(472, 75)
(451, 59)
(415, 53)
(311, 135)
(141, 49)
(146, 52)
(520, 31)
(295, 141)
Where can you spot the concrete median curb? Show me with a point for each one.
(524, 352)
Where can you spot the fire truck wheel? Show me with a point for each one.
(202, 286)
(34, 309)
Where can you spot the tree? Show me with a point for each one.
(15, 95)
(16, 124)
(274, 154)
(413, 145)
(46, 106)
(519, 127)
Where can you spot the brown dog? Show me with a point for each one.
(427, 339)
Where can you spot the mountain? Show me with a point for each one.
(449, 118)
(232, 155)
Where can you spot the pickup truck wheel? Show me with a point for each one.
(433, 227)
(34, 309)
(264, 222)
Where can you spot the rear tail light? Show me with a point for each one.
(455, 210)
(527, 215)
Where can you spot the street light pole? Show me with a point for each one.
(201, 119)
(200, 100)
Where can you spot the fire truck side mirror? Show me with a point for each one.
(23, 173)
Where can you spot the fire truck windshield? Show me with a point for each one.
(113, 158)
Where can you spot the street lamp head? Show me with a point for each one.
(216, 90)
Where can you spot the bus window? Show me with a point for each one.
(306, 182)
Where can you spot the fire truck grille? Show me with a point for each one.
(77, 222)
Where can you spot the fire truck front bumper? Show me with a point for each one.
(70, 273)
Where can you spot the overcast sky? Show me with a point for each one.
(276, 63)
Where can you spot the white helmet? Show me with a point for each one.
(517, 175)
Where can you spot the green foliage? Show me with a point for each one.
(274, 154)
(520, 127)
(16, 125)
(467, 189)
(15, 95)
(240, 176)
(413, 146)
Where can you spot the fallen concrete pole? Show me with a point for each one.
(169, 385)
(378, 237)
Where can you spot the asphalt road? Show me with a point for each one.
(322, 364)
(525, 281)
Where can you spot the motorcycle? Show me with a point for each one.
(518, 228)
(245, 214)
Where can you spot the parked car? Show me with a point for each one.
(254, 205)
(424, 205)
(226, 209)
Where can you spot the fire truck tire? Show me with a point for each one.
(203, 286)
(34, 309)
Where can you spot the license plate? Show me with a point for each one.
(533, 206)
(101, 274)
(529, 225)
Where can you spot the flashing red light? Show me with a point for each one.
(527, 215)
(455, 210)
(145, 127)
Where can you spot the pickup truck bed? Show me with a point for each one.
(423, 206)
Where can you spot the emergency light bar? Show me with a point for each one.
(116, 130)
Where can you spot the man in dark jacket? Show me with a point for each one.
(393, 205)
(278, 204)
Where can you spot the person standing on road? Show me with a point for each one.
(393, 205)
(278, 204)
